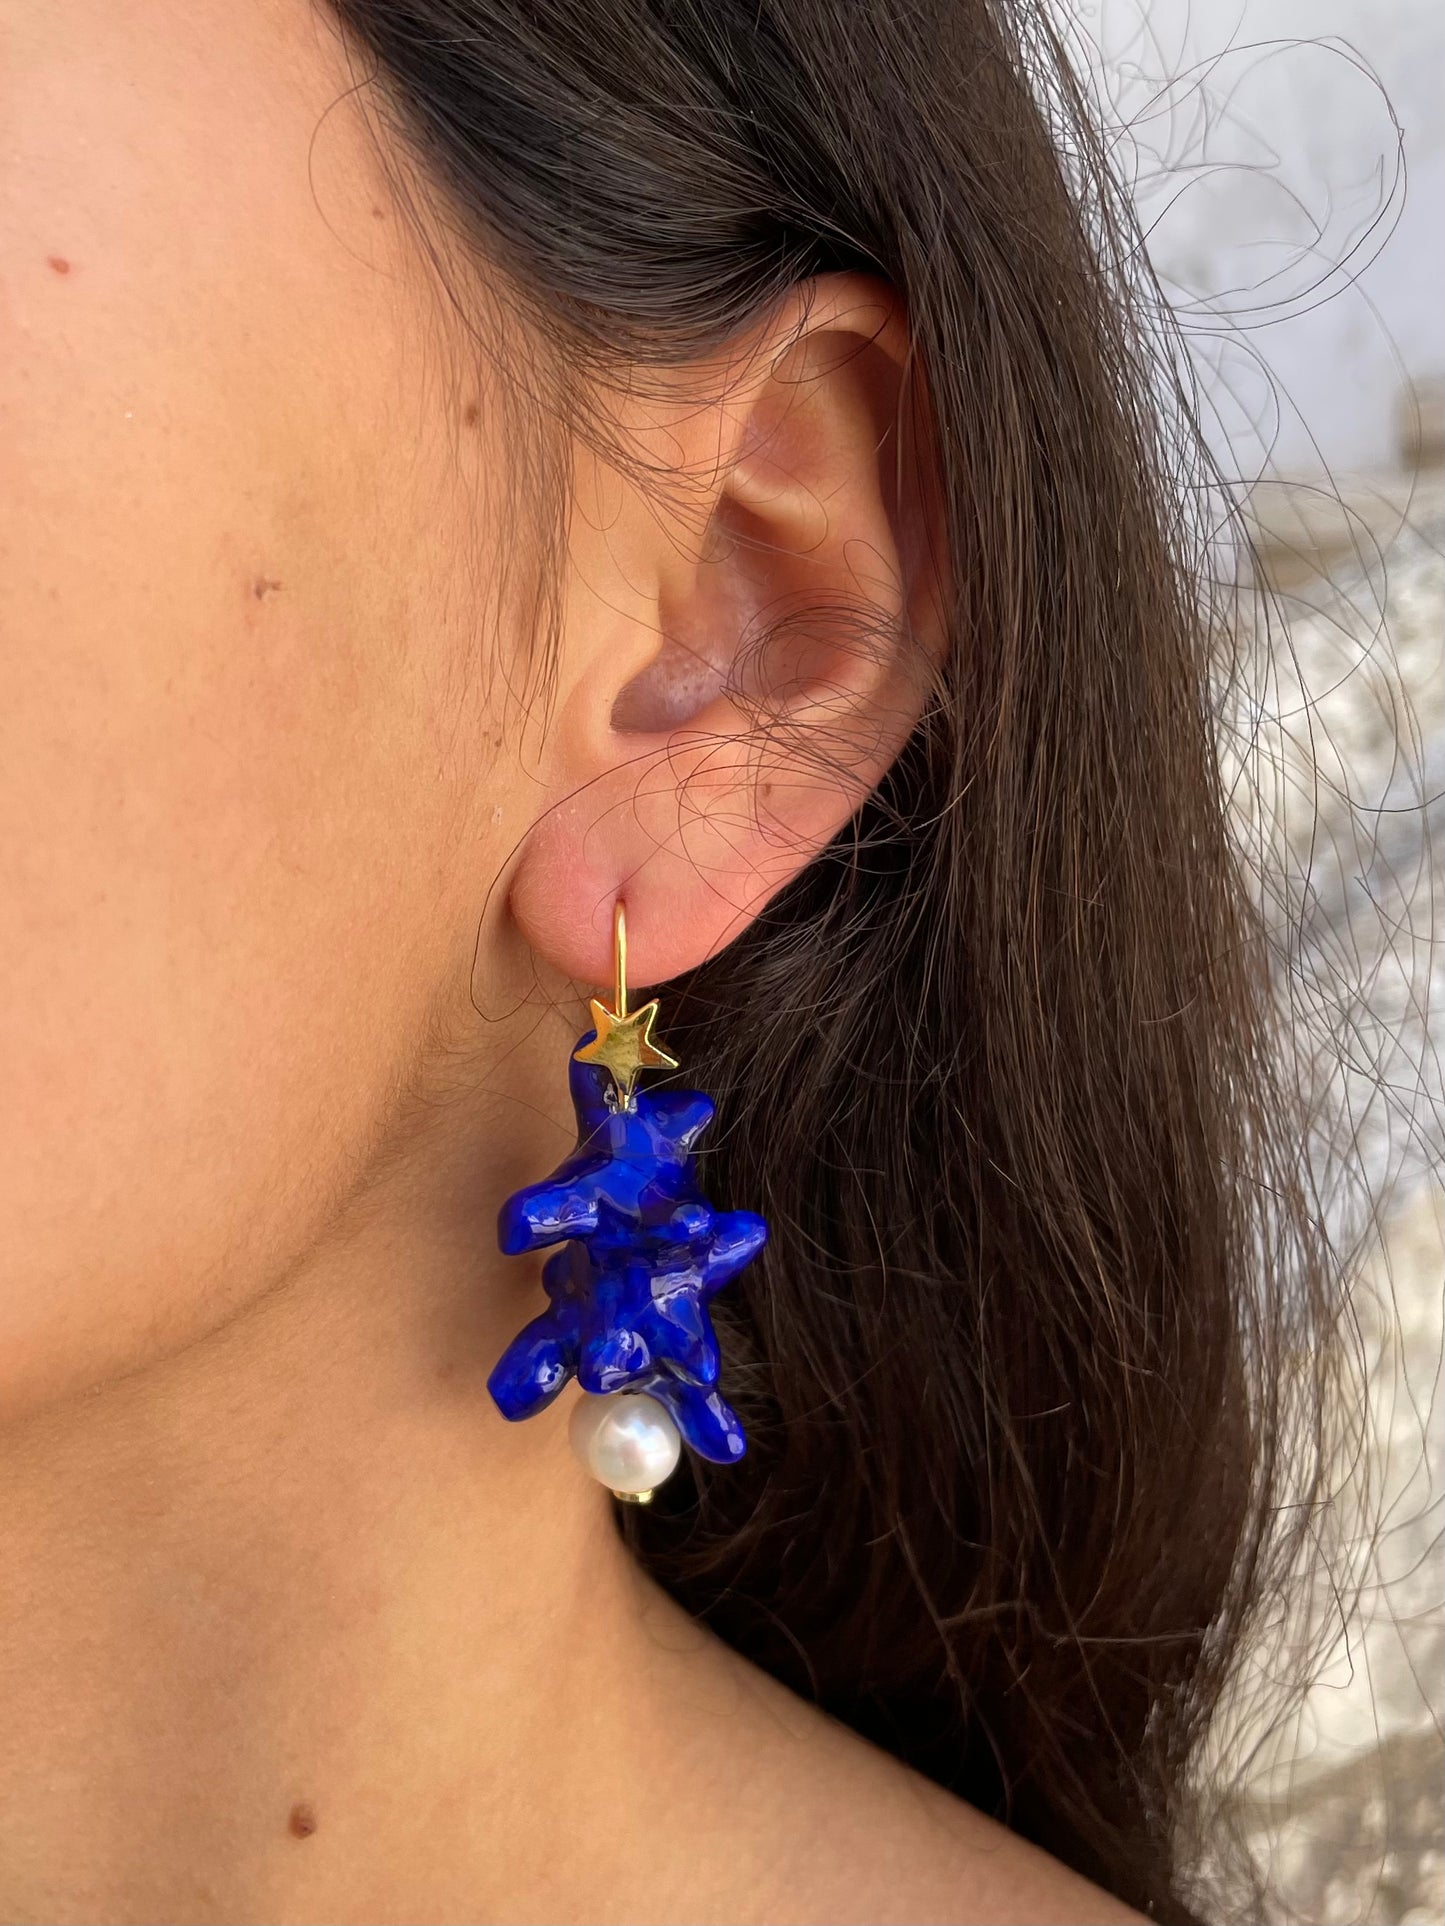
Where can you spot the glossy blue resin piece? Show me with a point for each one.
(641, 1253)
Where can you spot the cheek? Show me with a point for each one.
(225, 803)
(212, 970)
(221, 934)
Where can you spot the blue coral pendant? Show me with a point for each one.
(641, 1252)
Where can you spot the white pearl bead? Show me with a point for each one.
(626, 1440)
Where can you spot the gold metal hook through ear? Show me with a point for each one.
(619, 957)
(623, 1044)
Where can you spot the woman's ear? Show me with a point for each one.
(754, 613)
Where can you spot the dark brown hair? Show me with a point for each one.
(1015, 1361)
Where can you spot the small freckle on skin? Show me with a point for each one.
(471, 414)
(302, 1822)
(378, 213)
(264, 586)
(57, 264)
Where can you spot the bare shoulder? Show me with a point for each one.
(815, 1825)
(873, 1840)
(889, 1845)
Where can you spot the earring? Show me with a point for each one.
(641, 1253)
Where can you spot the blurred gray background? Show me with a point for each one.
(1264, 138)
(1288, 160)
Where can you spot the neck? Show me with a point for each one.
(292, 1625)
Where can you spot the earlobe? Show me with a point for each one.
(770, 670)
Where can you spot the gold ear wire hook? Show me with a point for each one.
(624, 1043)
(619, 958)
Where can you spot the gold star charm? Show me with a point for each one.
(623, 1044)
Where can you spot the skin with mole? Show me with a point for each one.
(267, 748)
